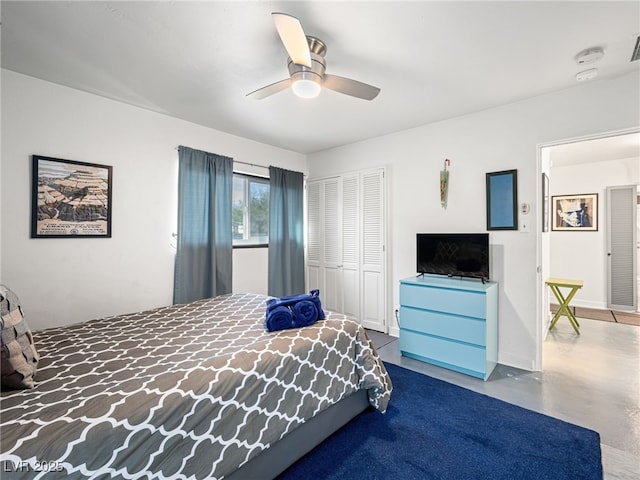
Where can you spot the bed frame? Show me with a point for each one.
(296, 444)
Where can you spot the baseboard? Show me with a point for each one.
(589, 304)
(516, 361)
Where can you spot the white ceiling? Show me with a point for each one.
(604, 149)
(432, 60)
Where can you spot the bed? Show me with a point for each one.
(196, 391)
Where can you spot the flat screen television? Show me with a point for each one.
(453, 254)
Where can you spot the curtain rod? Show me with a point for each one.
(250, 164)
(244, 163)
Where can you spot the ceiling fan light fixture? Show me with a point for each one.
(307, 75)
(306, 84)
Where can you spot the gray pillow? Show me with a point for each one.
(19, 355)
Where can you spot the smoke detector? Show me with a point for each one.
(587, 74)
(589, 55)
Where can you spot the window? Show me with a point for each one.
(250, 217)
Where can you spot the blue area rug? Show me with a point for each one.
(436, 430)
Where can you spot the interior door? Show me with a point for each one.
(346, 233)
(315, 278)
(373, 284)
(621, 248)
(324, 241)
(332, 246)
(351, 245)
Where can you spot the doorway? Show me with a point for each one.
(581, 166)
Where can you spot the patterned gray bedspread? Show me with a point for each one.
(186, 392)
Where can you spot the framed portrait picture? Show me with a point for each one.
(70, 199)
(573, 213)
(502, 200)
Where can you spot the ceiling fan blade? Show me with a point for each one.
(350, 87)
(269, 89)
(293, 38)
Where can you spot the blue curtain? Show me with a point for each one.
(286, 232)
(203, 266)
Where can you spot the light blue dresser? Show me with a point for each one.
(450, 322)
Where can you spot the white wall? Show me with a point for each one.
(583, 254)
(68, 280)
(250, 270)
(498, 139)
(61, 281)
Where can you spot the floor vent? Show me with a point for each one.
(636, 51)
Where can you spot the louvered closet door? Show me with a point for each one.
(314, 236)
(324, 237)
(621, 254)
(332, 245)
(373, 286)
(351, 245)
(345, 245)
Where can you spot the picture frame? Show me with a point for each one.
(70, 199)
(545, 202)
(502, 200)
(575, 213)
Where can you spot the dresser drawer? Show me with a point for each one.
(468, 357)
(465, 329)
(461, 302)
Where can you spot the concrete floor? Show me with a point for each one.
(591, 380)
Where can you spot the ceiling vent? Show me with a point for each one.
(636, 51)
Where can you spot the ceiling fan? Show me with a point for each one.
(307, 66)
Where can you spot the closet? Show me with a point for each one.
(346, 236)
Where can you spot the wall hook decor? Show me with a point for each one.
(444, 183)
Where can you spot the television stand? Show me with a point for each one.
(451, 323)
